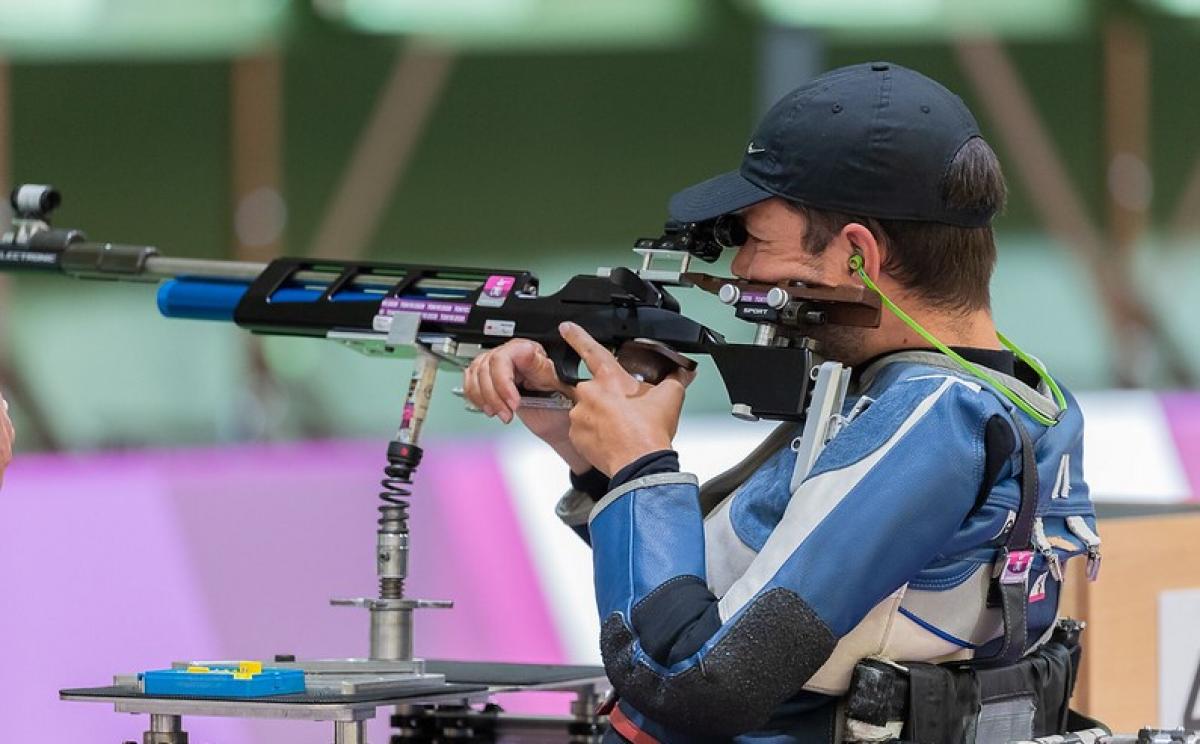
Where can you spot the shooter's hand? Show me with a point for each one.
(490, 384)
(617, 418)
(6, 438)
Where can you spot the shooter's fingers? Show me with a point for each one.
(501, 372)
(503, 378)
(470, 386)
(472, 390)
(494, 405)
(597, 358)
(668, 394)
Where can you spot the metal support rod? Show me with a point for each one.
(350, 732)
(163, 723)
(764, 334)
(392, 626)
(165, 729)
(391, 634)
(420, 392)
(583, 710)
(391, 612)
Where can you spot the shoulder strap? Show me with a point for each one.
(1011, 580)
(1039, 399)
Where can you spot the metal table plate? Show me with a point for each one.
(463, 681)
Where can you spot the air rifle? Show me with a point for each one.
(456, 312)
(449, 315)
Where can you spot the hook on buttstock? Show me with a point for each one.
(646, 359)
(652, 361)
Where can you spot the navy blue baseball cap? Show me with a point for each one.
(873, 139)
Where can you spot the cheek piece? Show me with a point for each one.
(856, 267)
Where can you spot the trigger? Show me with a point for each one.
(566, 366)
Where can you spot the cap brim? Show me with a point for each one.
(725, 193)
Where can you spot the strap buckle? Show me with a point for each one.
(1016, 567)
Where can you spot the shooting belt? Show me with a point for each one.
(954, 703)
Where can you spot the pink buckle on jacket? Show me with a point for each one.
(1016, 567)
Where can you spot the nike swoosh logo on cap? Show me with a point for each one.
(752, 150)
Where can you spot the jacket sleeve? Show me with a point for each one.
(881, 501)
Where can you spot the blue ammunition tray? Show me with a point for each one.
(219, 682)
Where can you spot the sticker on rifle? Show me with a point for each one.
(499, 327)
(436, 311)
(1038, 593)
(495, 290)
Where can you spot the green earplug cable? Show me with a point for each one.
(856, 264)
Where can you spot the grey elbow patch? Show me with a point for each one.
(646, 481)
(765, 658)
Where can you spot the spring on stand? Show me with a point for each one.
(393, 515)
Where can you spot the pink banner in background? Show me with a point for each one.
(1183, 418)
(123, 562)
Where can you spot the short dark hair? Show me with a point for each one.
(949, 266)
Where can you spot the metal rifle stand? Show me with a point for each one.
(437, 695)
(391, 612)
(390, 663)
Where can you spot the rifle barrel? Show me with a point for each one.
(142, 264)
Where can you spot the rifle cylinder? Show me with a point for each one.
(207, 299)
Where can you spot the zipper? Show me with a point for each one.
(1046, 549)
(1079, 528)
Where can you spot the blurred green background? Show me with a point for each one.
(545, 148)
